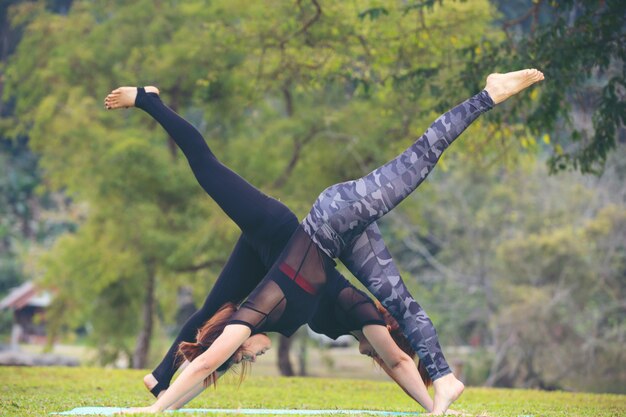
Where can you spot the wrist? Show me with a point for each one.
(156, 408)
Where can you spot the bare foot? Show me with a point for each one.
(502, 86)
(124, 97)
(447, 390)
(150, 382)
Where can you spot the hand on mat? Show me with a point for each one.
(137, 410)
(447, 413)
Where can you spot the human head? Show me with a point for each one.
(402, 341)
(254, 346)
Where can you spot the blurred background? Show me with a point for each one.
(515, 246)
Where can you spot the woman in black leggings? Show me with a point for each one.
(337, 226)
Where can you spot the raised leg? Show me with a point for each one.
(247, 206)
(266, 223)
(349, 207)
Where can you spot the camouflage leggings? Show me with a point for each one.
(341, 223)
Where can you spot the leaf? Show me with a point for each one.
(373, 13)
(558, 149)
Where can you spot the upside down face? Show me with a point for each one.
(255, 345)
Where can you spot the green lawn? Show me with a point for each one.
(38, 391)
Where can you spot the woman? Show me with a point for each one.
(336, 225)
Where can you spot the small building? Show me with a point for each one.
(28, 304)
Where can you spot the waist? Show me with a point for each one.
(323, 235)
(296, 277)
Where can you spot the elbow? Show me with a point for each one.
(400, 361)
(204, 366)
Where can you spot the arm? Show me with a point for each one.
(192, 394)
(398, 365)
(187, 383)
(393, 376)
(195, 391)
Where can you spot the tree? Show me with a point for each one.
(24, 209)
(287, 80)
(296, 96)
(579, 45)
(527, 266)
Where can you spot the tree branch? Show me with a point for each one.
(517, 21)
(306, 26)
(298, 145)
(207, 264)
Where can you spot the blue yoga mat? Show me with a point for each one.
(107, 411)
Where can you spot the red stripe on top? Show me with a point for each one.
(298, 279)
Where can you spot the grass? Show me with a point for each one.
(39, 391)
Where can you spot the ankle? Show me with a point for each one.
(145, 96)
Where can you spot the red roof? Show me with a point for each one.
(24, 295)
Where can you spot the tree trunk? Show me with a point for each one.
(302, 354)
(284, 344)
(284, 363)
(142, 348)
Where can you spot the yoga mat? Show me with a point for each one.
(107, 411)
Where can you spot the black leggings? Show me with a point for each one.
(265, 230)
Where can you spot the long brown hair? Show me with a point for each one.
(207, 334)
(402, 341)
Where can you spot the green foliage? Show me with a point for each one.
(295, 96)
(529, 265)
(273, 86)
(580, 47)
(39, 391)
(562, 271)
(21, 206)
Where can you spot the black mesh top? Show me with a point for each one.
(343, 308)
(290, 292)
(303, 287)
